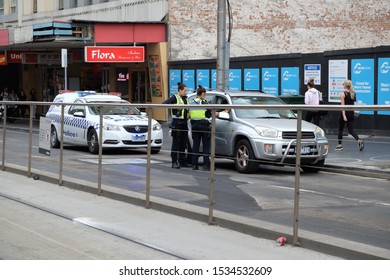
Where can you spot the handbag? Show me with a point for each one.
(321, 112)
(356, 114)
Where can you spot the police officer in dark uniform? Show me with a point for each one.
(179, 127)
(200, 128)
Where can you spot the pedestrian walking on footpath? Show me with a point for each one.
(348, 97)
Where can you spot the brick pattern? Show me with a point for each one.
(265, 27)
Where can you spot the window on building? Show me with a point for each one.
(13, 7)
(35, 6)
(73, 3)
(60, 4)
(1, 7)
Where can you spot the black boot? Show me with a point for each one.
(175, 164)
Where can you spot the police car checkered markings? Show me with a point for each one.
(120, 161)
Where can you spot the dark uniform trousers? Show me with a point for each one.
(179, 140)
(200, 133)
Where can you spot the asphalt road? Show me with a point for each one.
(344, 206)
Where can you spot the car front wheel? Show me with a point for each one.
(93, 144)
(244, 159)
(55, 143)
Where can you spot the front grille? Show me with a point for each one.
(293, 135)
(129, 142)
(136, 128)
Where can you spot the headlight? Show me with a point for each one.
(157, 126)
(111, 127)
(320, 133)
(266, 132)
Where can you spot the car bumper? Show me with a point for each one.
(281, 152)
(125, 139)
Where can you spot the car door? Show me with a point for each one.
(223, 129)
(75, 123)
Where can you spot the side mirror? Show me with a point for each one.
(224, 115)
(79, 114)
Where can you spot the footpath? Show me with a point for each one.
(175, 236)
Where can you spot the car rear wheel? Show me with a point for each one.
(313, 168)
(93, 144)
(156, 150)
(55, 143)
(244, 159)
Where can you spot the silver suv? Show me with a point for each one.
(264, 136)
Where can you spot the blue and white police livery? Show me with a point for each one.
(124, 126)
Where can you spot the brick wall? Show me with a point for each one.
(265, 27)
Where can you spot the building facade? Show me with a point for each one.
(36, 34)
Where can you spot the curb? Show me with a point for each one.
(309, 240)
(357, 171)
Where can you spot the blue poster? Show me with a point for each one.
(189, 79)
(270, 80)
(235, 79)
(384, 83)
(203, 78)
(174, 78)
(251, 79)
(362, 77)
(214, 78)
(290, 80)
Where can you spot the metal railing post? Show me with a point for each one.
(30, 142)
(100, 150)
(149, 152)
(60, 182)
(212, 169)
(4, 136)
(297, 178)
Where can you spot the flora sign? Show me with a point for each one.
(114, 54)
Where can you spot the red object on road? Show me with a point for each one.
(281, 241)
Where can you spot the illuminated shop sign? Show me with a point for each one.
(114, 54)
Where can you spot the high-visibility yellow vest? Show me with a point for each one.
(179, 100)
(197, 114)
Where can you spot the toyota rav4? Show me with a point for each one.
(264, 136)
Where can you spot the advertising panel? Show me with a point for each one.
(174, 78)
(235, 79)
(203, 78)
(290, 80)
(189, 79)
(338, 73)
(270, 80)
(312, 71)
(155, 75)
(114, 54)
(384, 83)
(214, 78)
(362, 76)
(251, 79)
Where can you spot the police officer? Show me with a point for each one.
(200, 127)
(179, 127)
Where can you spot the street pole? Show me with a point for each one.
(223, 54)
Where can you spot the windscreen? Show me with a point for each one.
(263, 113)
(122, 108)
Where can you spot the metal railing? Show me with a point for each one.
(214, 108)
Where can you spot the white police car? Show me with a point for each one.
(124, 126)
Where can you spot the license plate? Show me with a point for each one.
(139, 138)
(305, 150)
